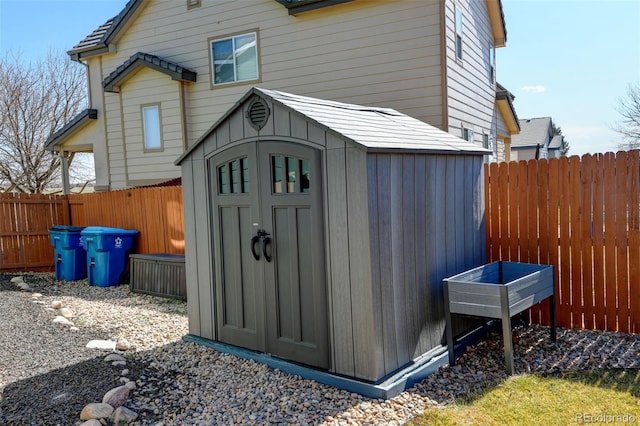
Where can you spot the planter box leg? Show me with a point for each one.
(552, 317)
(448, 327)
(508, 344)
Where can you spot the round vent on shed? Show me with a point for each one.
(258, 113)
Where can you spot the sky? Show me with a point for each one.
(570, 60)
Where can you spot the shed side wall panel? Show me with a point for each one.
(412, 252)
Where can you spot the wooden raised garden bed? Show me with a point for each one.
(498, 290)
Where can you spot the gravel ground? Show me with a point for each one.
(47, 375)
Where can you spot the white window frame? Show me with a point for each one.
(458, 27)
(489, 142)
(467, 134)
(233, 37)
(492, 62)
(147, 132)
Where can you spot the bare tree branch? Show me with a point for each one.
(36, 99)
(629, 126)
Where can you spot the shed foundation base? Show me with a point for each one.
(391, 386)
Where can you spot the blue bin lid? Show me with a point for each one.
(103, 230)
(66, 228)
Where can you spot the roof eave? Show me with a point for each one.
(295, 7)
(113, 82)
(498, 25)
(131, 9)
(78, 122)
(508, 112)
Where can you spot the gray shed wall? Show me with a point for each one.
(426, 215)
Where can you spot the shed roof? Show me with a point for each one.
(533, 131)
(372, 128)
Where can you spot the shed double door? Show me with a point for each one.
(269, 250)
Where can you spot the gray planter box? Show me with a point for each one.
(498, 290)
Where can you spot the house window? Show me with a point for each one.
(492, 63)
(234, 59)
(488, 141)
(458, 34)
(467, 134)
(192, 4)
(151, 127)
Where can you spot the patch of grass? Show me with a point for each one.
(579, 397)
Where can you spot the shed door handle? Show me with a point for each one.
(265, 242)
(254, 241)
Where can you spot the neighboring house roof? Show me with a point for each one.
(113, 81)
(556, 142)
(504, 99)
(98, 41)
(533, 131)
(373, 128)
(76, 123)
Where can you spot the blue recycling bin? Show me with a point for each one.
(70, 257)
(107, 250)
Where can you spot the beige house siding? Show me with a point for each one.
(471, 93)
(382, 53)
(502, 136)
(144, 88)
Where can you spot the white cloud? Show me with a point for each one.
(535, 89)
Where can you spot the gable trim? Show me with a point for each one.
(125, 71)
(78, 122)
(99, 41)
(507, 111)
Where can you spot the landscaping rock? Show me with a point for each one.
(123, 415)
(119, 363)
(36, 295)
(116, 397)
(96, 411)
(16, 280)
(91, 422)
(106, 345)
(62, 320)
(114, 357)
(23, 286)
(123, 344)
(56, 304)
(131, 385)
(66, 312)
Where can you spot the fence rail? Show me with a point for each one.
(581, 215)
(25, 221)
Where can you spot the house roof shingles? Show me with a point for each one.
(175, 71)
(98, 41)
(76, 123)
(533, 131)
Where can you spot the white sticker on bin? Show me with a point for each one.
(118, 241)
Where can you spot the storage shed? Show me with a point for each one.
(319, 232)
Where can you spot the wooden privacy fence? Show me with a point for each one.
(155, 212)
(581, 215)
(25, 221)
